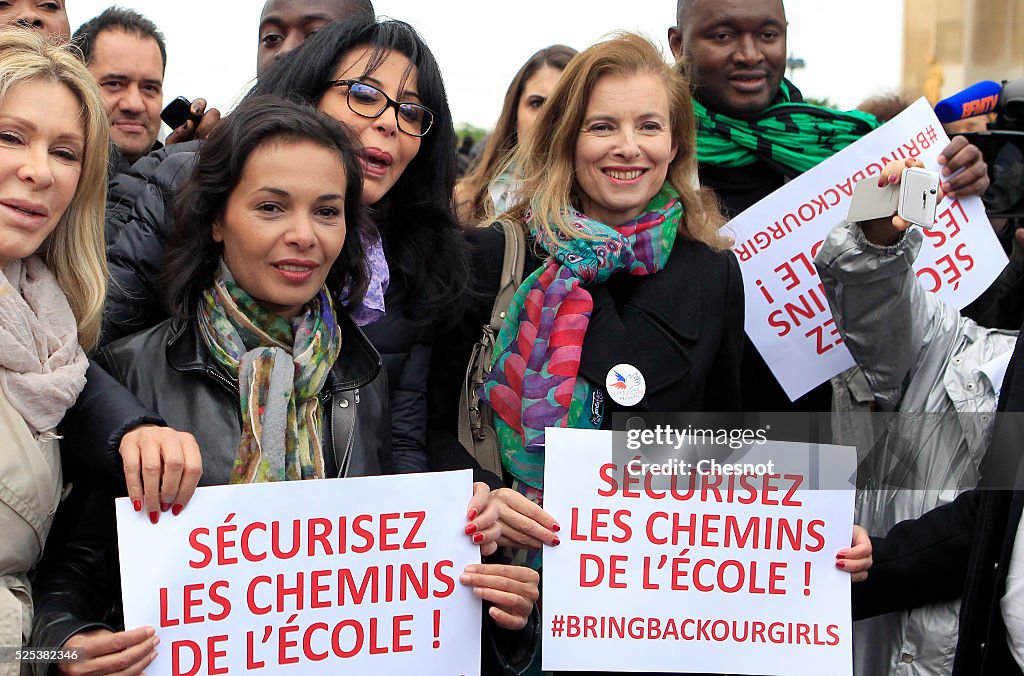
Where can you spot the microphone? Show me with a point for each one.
(977, 99)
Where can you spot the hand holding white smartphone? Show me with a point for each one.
(919, 196)
(914, 199)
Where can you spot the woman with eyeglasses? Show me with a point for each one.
(381, 80)
(260, 360)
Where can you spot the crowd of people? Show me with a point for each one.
(294, 291)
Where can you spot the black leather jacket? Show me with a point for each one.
(169, 368)
(77, 588)
(138, 221)
(193, 393)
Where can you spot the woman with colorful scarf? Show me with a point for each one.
(259, 360)
(634, 277)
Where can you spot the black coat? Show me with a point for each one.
(405, 348)
(739, 188)
(681, 327)
(169, 368)
(962, 548)
(138, 221)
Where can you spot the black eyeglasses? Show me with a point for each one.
(368, 101)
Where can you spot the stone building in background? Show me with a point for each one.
(949, 45)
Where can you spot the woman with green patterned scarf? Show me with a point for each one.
(634, 278)
(259, 360)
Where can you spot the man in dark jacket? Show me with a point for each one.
(966, 549)
(735, 53)
(126, 54)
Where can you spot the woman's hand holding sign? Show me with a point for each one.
(856, 560)
(512, 591)
(124, 653)
(522, 523)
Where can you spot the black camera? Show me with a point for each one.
(1003, 149)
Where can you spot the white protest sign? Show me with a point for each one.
(308, 577)
(692, 573)
(787, 314)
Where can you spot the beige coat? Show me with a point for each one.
(30, 489)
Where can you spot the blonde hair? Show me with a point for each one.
(74, 251)
(545, 163)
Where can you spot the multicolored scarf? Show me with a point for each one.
(533, 383)
(280, 366)
(789, 135)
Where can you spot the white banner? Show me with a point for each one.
(693, 567)
(308, 577)
(787, 314)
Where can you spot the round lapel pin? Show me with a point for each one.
(625, 385)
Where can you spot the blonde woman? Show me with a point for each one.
(633, 269)
(53, 156)
(54, 144)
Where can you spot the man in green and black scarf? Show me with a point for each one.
(755, 132)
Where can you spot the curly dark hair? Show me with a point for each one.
(192, 254)
(416, 218)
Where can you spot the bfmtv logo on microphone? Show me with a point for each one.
(978, 99)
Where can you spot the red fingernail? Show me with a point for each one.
(555, 542)
(154, 517)
(478, 538)
(164, 506)
(137, 504)
(881, 182)
(176, 509)
(555, 528)
(840, 564)
(470, 529)
(472, 513)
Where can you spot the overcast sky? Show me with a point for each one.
(851, 49)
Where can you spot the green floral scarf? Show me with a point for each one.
(280, 367)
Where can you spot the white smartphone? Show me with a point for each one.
(914, 199)
(919, 196)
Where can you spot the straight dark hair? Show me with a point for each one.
(192, 254)
(416, 218)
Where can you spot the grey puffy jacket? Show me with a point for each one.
(922, 361)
